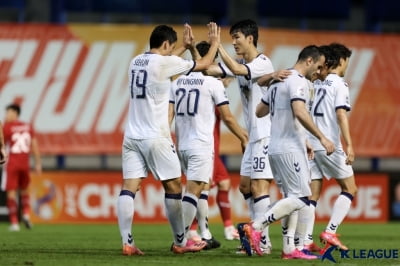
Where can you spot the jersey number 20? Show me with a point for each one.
(22, 142)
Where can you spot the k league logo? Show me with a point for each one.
(360, 254)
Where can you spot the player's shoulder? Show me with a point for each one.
(337, 81)
(261, 59)
(295, 76)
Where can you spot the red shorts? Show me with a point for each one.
(14, 178)
(220, 172)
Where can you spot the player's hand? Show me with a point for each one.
(350, 155)
(310, 151)
(280, 75)
(188, 38)
(214, 33)
(3, 156)
(328, 145)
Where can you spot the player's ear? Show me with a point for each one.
(165, 45)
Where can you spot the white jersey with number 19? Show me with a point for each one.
(149, 84)
(287, 134)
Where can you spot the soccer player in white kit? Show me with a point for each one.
(192, 101)
(147, 143)
(308, 216)
(286, 103)
(329, 112)
(255, 172)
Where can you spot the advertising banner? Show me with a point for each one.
(71, 81)
(90, 197)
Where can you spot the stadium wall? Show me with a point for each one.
(90, 197)
(72, 82)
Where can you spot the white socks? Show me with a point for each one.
(280, 209)
(310, 213)
(125, 210)
(289, 224)
(261, 204)
(202, 215)
(340, 209)
(173, 211)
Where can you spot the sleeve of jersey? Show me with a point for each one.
(175, 65)
(298, 89)
(226, 72)
(219, 93)
(260, 66)
(342, 100)
(265, 98)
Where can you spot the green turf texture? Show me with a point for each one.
(100, 245)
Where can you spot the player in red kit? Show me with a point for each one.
(221, 178)
(20, 141)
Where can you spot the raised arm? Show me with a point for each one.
(232, 64)
(214, 33)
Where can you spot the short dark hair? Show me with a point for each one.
(340, 50)
(247, 27)
(162, 33)
(331, 58)
(309, 51)
(203, 47)
(14, 107)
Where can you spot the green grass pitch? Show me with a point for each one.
(100, 245)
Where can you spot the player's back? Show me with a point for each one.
(18, 138)
(287, 134)
(195, 97)
(149, 85)
(330, 94)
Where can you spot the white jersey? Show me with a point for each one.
(330, 95)
(195, 97)
(149, 88)
(251, 94)
(287, 134)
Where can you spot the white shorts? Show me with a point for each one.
(291, 173)
(330, 166)
(157, 155)
(197, 164)
(255, 163)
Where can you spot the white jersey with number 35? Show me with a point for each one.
(149, 87)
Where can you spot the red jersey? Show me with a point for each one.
(18, 137)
